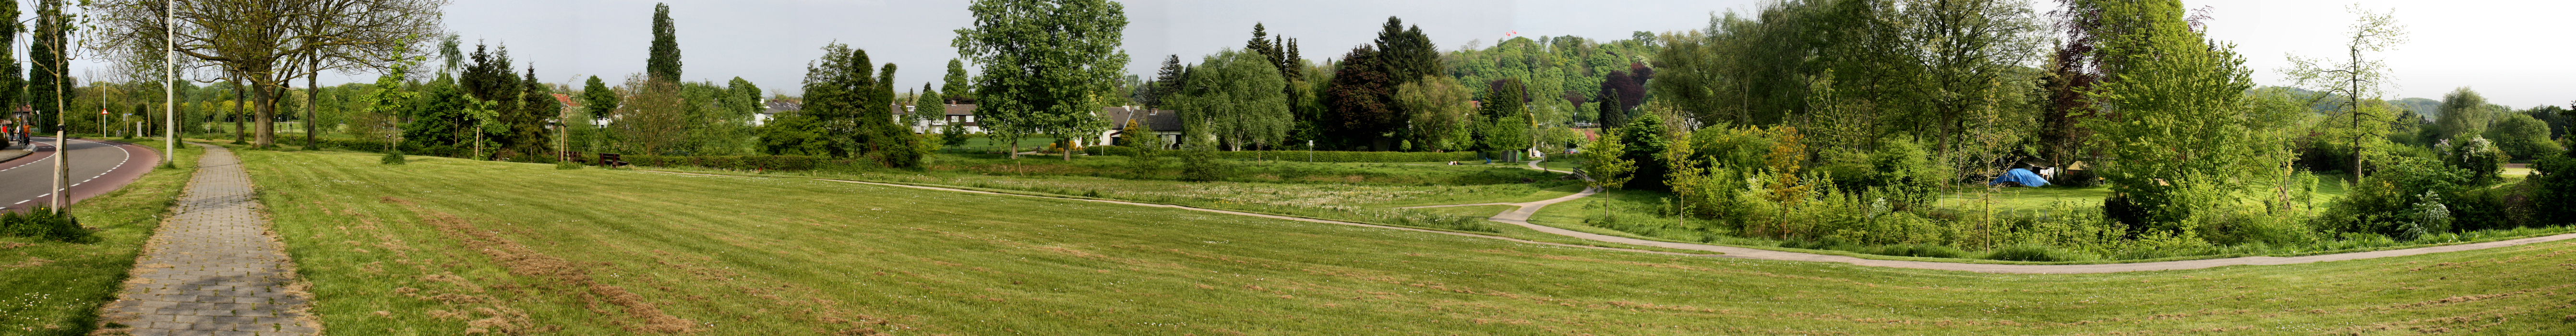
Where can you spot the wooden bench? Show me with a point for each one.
(611, 160)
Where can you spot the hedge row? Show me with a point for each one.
(1317, 156)
(745, 162)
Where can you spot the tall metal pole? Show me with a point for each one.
(169, 80)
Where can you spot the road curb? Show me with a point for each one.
(13, 154)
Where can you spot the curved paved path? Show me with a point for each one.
(214, 269)
(1520, 216)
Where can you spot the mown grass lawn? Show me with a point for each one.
(445, 246)
(55, 288)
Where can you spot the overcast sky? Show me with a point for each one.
(2514, 52)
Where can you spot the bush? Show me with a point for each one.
(2034, 252)
(2478, 156)
(2383, 203)
(743, 163)
(42, 223)
(393, 158)
(1341, 156)
(2553, 188)
(1200, 165)
(1918, 250)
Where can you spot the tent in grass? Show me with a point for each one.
(2021, 176)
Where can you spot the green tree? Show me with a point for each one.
(2186, 139)
(12, 82)
(390, 98)
(2356, 78)
(2523, 137)
(1505, 119)
(537, 105)
(742, 98)
(49, 80)
(1360, 114)
(2463, 111)
(1406, 53)
(1043, 63)
(1605, 163)
(266, 43)
(1644, 141)
(1438, 113)
(794, 133)
(663, 60)
(956, 84)
(853, 103)
(597, 99)
(1166, 84)
(1146, 161)
(1238, 95)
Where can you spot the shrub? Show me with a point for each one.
(42, 223)
(1918, 250)
(1200, 165)
(2477, 156)
(394, 157)
(744, 163)
(2553, 188)
(2383, 203)
(2032, 252)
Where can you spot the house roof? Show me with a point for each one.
(566, 99)
(1163, 120)
(776, 106)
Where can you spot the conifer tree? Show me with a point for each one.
(959, 91)
(1167, 82)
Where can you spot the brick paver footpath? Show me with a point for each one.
(215, 269)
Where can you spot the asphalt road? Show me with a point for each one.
(98, 167)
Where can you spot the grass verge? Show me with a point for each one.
(49, 288)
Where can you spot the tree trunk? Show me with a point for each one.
(238, 99)
(267, 109)
(312, 88)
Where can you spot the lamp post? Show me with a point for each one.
(169, 83)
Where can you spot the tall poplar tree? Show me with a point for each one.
(664, 62)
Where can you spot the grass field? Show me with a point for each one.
(446, 246)
(51, 288)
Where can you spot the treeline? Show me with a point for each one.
(1846, 120)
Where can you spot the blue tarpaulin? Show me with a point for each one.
(2023, 176)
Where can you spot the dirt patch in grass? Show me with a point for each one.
(523, 261)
